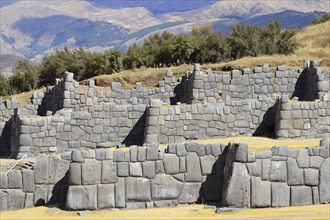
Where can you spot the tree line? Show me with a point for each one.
(164, 49)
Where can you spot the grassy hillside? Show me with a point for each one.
(314, 42)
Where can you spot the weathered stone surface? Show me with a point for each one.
(280, 194)
(207, 162)
(295, 175)
(77, 156)
(255, 168)
(265, 169)
(109, 172)
(181, 150)
(118, 156)
(28, 203)
(82, 197)
(138, 189)
(315, 162)
(50, 170)
(301, 195)
(171, 164)
(152, 152)
(141, 156)
(324, 188)
(91, 172)
(15, 199)
(105, 196)
(278, 171)
(15, 179)
(260, 193)
(3, 200)
(149, 169)
(3, 181)
(316, 196)
(165, 203)
(303, 158)
(311, 177)
(74, 177)
(122, 169)
(28, 180)
(190, 193)
(40, 194)
(193, 168)
(242, 153)
(165, 187)
(135, 169)
(135, 205)
(25, 140)
(237, 187)
(120, 193)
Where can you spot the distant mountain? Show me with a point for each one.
(157, 7)
(7, 62)
(34, 28)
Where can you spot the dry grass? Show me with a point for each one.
(182, 212)
(24, 98)
(258, 144)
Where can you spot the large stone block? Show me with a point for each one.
(171, 164)
(82, 197)
(109, 172)
(315, 162)
(3, 181)
(74, 177)
(149, 169)
(91, 172)
(40, 195)
(190, 193)
(135, 169)
(77, 156)
(118, 156)
(15, 199)
(15, 179)
(280, 194)
(194, 173)
(207, 163)
(301, 195)
(278, 171)
(28, 203)
(28, 180)
(152, 152)
(25, 140)
(260, 193)
(165, 187)
(255, 168)
(138, 189)
(237, 187)
(3, 200)
(120, 193)
(50, 170)
(303, 158)
(265, 169)
(122, 169)
(105, 196)
(295, 175)
(242, 153)
(324, 188)
(311, 177)
(181, 150)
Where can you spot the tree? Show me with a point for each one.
(180, 48)
(4, 86)
(25, 77)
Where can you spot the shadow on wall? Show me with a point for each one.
(211, 190)
(51, 101)
(306, 88)
(179, 92)
(59, 193)
(9, 138)
(136, 134)
(268, 124)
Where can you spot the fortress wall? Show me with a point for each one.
(146, 177)
(102, 126)
(173, 124)
(303, 119)
(46, 184)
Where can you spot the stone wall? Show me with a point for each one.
(173, 124)
(280, 177)
(105, 125)
(303, 119)
(46, 184)
(146, 177)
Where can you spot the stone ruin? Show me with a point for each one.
(82, 124)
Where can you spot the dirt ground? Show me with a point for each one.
(321, 212)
